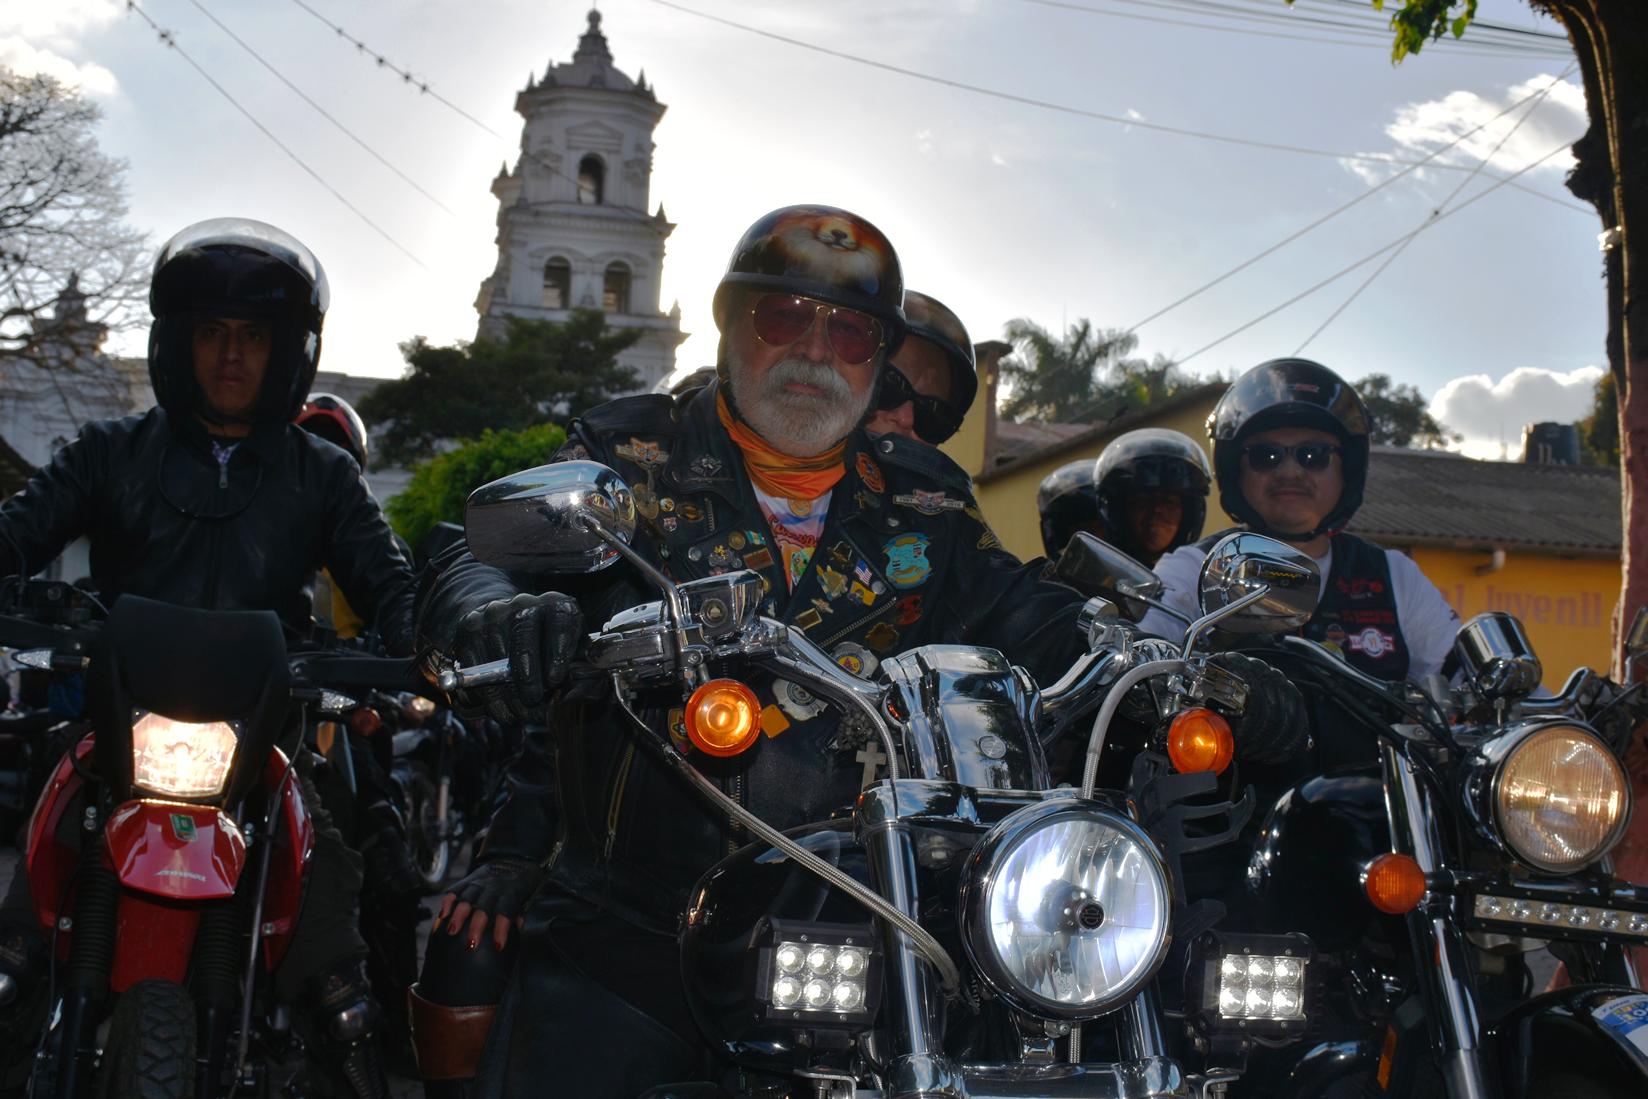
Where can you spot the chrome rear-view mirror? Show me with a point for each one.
(556, 519)
(1243, 563)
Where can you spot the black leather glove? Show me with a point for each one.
(1274, 725)
(496, 893)
(537, 634)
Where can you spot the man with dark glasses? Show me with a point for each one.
(868, 544)
(1290, 452)
(928, 386)
(215, 499)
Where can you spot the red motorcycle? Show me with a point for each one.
(167, 856)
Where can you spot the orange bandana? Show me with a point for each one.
(779, 474)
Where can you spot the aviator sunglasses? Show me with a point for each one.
(935, 420)
(1314, 457)
(781, 319)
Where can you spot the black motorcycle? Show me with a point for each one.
(964, 930)
(1428, 878)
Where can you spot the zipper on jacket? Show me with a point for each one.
(734, 828)
(616, 805)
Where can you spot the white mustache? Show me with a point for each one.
(806, 372)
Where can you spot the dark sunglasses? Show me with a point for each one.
(935, 419)
(781, 319)
(1315, 457)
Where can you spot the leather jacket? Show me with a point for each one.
(168, 520)
(905, 559)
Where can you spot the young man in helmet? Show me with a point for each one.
(870, 545)
(213, 499)
(1290, 451)
(929, 384)
(1152, 486)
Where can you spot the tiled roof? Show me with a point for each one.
(1021, 443)
(1422, 497)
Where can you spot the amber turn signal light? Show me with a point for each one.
(723, 717)
(1394, 884)
(1200, 740)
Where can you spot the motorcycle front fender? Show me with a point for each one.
(1595, 1032)
(182, 852)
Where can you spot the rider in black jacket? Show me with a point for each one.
(214, 499)
(724, 477)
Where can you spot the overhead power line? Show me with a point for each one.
(1369, 258)
(1342, 207)
(379, 157)
(1062, 108)
(170, 41)
(410, 81)
(1434, 214)
(1329, 29)
(406, 77)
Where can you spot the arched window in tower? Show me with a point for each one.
(557, 284)
(592, 181)
(615, 289)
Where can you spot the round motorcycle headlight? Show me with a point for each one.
(1560, 798)
(1065, 909)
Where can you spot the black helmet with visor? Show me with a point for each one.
(1152, 459)
(1068, 501)
(1289, 393)
(240, 268)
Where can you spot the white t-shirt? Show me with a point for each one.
(1427, 622)
(796, 527)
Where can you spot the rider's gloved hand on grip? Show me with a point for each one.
(1274, 725)
(537, 634)
(496, 893)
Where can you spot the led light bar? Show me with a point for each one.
(1262, 986)
(818, 974)
(1553, 917)
(1241, 988)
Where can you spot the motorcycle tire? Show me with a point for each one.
(431, 848)
(150, 1053)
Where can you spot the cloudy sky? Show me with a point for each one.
(1023, 203)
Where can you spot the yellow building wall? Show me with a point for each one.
(1009, 500)
(1565, 603)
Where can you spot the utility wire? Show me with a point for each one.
(1364, 23)
(406, 77)
(1336, 211)
(408, 180)
(1367, 259)
(170, 41)
(1333, 31)
(423, 87)
(1061, 108)
(1434, 214)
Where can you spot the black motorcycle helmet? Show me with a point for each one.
(931, 320)
(335, 420)
(1152, 459)
(236, 267)
(1068, 501)
(1289, 393)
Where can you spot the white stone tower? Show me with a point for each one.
(573, 227)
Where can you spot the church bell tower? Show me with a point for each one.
(573, 226)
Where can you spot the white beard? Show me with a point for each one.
(794, 423)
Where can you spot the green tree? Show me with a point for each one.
(439, 487)
(1400, 415)
(1599, 430)
(1610, 39)
(539, 370)
(1087, 375)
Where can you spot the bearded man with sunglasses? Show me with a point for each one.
(929, 384)
(1290, 453)
(870, 545)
